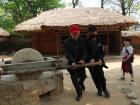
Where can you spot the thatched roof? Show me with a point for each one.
(130, 33)
(81, 16)
(3, 33)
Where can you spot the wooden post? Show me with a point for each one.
(107, 42)
(34, 41)
(119, 42)
(58, 41)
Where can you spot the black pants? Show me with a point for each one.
(78, 77)
(103, 62)
(97, 74)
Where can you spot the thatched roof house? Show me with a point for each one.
(136, 27)
(81, 16)
(50, 28)
(3, 33)
(130, 33)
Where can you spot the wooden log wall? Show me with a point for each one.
(50, 40)
(46, 42)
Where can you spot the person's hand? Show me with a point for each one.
(73, 65)
(81, 61)
(124, 60)
(100, 62)
(92, 61)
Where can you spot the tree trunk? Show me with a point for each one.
(102, 3)
(123, 7)
(74, 3)
(18, 9)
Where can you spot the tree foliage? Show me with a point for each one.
(125, 7)
(13, 12)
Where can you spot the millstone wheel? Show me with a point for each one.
(27, 55)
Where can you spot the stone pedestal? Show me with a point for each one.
(16, 92)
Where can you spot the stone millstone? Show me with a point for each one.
(27, 55)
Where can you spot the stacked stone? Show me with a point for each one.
(131, 95)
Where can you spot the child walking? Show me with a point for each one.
(127, 59)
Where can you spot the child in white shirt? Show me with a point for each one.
(127, 59)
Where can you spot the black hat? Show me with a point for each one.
(92, 28)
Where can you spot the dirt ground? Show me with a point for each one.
(90, 97)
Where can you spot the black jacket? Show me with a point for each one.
(92, 50)
(75, 50)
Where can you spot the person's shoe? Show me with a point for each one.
(122, 78)
(99, 93)
(132, 80)
(107, 94)
(78, 98)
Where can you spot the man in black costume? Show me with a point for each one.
(94, 55)
(75, 52)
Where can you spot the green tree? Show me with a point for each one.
(21, 10)
(6, 21)
(137, 6)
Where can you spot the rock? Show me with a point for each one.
(28, 92)
(135, 102)
(125, 90)
(132, 95)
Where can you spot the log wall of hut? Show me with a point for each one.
(136, 44)
(52, 42)
(46, 42)
(136, 40)
(114, 43)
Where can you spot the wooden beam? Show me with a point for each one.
(40, 67)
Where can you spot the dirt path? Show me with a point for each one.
(90, 96)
